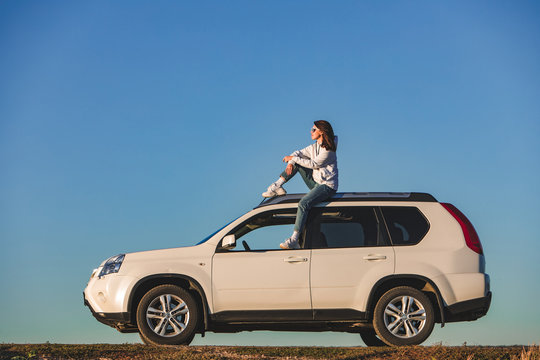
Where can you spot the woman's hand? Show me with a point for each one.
(289, 169)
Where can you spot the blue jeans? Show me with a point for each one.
(318, 193)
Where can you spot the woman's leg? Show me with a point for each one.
(318, 194)
(276, 188)
(306, 173)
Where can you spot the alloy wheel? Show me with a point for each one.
(167, 315)
(404, 317)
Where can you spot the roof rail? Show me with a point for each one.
(355, 196)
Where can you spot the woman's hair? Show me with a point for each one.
(328, 141)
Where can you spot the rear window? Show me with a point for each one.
(344, 227)
(407, 225)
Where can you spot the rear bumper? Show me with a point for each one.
(468, 310)
(120, 321)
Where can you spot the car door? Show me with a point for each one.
(351, 252)
(261, 280)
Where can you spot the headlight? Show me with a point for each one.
(112, 265)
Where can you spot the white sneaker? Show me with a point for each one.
(290, 244)
(274, 190)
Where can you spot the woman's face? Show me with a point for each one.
(316, 134)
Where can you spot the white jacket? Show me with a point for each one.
(322, 161)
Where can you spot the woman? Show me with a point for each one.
(317, 164)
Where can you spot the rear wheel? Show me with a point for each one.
(369, 337)
(403, 316)
(167, 315)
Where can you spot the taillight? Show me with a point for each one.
(471, 237)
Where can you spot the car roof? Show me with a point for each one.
(355, 196)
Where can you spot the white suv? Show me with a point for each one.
(385, 265)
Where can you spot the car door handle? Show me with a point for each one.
(374, 257)
(295, 259)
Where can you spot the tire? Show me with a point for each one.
(403, 316)
(167, 315)
(369, 337)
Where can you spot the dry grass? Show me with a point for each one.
(531, 353)
(142, 352)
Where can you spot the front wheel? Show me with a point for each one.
(403, 316)
(167, 315)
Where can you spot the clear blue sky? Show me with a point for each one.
(136, 125)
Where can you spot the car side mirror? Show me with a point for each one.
(228, 242)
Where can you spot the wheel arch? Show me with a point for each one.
(418, 282)
(183, 281)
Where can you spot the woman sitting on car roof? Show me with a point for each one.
(317, 164)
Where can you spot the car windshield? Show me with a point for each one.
(215, 232)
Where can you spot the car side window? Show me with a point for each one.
(406, 224)
(342, 227)
(264, 231)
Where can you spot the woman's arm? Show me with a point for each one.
(303, 153)
(324, 158)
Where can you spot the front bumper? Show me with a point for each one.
(120, 321)
(468, 310)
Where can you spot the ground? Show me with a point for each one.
(137, 351)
